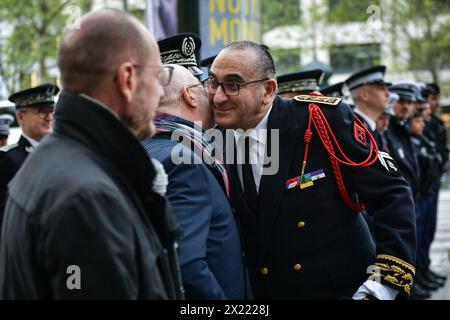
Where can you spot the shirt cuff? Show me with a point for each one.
(375, 289)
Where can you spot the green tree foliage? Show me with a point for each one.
(279, 13)
(343, 11)
(276, 14)
(429, 45)
(30, 32)
(286, 60)
(420, 24)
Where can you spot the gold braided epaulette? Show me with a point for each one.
(332, 101)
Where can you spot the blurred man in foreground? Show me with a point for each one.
(87, 225)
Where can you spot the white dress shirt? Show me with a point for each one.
(257, 150)
(370, 122)
(257, 154)
(33, 142)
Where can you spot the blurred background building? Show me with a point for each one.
(411, 38)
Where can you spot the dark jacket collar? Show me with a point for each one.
(98, 129)
(23, 142)
(281, 116)
(168, 117)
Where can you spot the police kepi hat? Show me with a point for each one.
(370, 76)
(335, 90)
(303, 81)
(43, 95)
(433, 88)
(180, 49)
(207, 62)
(5, 123)
(406, 91)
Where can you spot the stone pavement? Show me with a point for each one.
(440, 249)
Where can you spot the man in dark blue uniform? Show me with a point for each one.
(398, 135)
(435, 131)
(303, 82)
(370, 95)
(34, 112)
(401, 148)
(303, 233)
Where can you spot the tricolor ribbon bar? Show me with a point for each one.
(308, 180)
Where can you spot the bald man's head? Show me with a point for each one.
(106, 38)
(186, 98)
(181, 77)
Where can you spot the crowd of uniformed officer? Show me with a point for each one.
(402, 118)
(409, 128)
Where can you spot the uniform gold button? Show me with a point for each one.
(301, 224)
(297, 267)
(264, 271)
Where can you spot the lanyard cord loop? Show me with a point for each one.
(324, 131)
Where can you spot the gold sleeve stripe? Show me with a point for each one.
(398, 261)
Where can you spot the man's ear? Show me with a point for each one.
(127, 81)
(189, 97)
(364, 93)
(270, 90)
(19, 117)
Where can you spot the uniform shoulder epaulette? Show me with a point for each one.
(332, 101)
(9, 147)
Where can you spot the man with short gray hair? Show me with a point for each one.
(81, 220)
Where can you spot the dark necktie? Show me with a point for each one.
(247, 176)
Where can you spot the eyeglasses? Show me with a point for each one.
(42, 112)
(196, 85)
(164, 75)
(229, 88)
(203, 84)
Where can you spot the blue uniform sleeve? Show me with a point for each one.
(388, 199)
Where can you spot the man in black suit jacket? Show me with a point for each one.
(34, 112)
(302, 239)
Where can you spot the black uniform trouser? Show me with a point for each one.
(431, 221)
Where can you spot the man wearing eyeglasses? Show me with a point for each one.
(303, 232)
(34, 113)
(82, 220)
